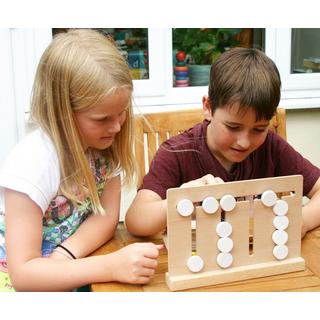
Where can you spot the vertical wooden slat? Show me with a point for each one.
(263, 229)
(294, 228)
(281, 118)
(206, 238)
(239, 219)
(162, 136)
(152, 145)
(180, 240)
(139, 148)
(278, 123)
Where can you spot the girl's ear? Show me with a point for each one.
(206, 106)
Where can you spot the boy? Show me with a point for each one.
(232, 143)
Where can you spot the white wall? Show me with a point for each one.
(303, 132)
(8, 116)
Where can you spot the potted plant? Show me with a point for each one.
(202, 47)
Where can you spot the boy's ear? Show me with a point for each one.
(206, 106)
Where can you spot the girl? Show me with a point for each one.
(61, 184)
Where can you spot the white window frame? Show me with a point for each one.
(298, 90)
(157, 92)
(27, 48)
(29, 44)
(173, 98)
(22, 49)
(8, 112)
(155, 85)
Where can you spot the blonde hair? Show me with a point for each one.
(76, 70)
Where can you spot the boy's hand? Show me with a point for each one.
(205, 180)
(136, 263)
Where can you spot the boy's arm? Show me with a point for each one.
(147, 214)
(311, 211)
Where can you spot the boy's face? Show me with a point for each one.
(232, 136)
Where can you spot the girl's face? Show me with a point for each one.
(232, 137)
(100, 124)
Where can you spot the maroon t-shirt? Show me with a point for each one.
(186, 157)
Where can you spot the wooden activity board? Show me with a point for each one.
(234, 238)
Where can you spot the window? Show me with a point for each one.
(305, 50)
(154, 74)
(133, 43)
(194, 49)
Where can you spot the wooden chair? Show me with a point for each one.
(153, 128)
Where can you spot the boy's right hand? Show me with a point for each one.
(136, 263)
(205, 180)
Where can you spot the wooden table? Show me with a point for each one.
(307, 280)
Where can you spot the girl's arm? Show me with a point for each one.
(311, 211)
(30, 272)
(97, 229)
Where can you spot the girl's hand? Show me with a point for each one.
(205, 180)
(136, 263)
(57, 255)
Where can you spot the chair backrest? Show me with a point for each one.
(153, 128)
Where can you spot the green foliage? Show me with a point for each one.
(204, 45)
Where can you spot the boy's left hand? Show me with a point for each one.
(205, 180)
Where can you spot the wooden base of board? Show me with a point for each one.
(181, 282)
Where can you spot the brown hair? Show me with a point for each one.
(246, 77)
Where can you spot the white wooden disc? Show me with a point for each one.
(225, 244)
(195, 263)
(210, 205)
(269, 198)
(281, 222)
(224, 229)
(280, 252)
(224, 259)
(185, 207)
(279, 237)
(227, 202)
(280, 208)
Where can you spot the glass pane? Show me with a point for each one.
(305, 50)
(193, 50)
(133, 43)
